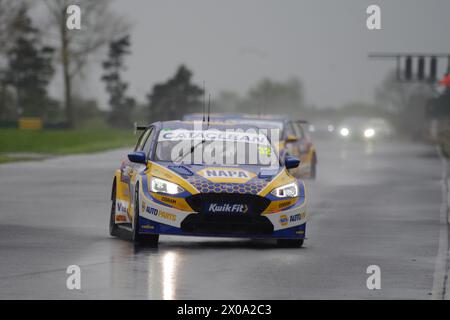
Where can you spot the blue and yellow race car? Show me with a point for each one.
(207, 179)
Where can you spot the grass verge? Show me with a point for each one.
(6, 158)
(60, 142)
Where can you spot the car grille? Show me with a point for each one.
(250, 222)
(226, 224)
(256, 204)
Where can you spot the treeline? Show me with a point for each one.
(31, 57)
(265, 97)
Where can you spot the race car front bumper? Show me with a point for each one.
(221, 230)
(156, 217)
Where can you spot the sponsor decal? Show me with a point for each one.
(235, 175)
(178, 203)
(226, 173)
(228, 208)
(152, 211)
(213, 135)
(120, 218)
(297, 217)
(161, 214)
(167, 216)
(168, 200)
(121, 208)
(284, 220)
(147, 227)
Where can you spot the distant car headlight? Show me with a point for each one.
(344, 132)
(369, 133)
(287, 191)
(160, 185)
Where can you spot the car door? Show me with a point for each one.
(131, 170)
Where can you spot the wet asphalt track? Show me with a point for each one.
(371, 204)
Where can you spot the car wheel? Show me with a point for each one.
(147, 239)
(113, 228)
(290, 243)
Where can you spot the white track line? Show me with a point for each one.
(440, 269)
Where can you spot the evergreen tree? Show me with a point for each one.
(121, 104)
(174, 98)
(29, 68)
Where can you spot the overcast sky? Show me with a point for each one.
(231, 44)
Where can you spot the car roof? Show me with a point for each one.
(196, 116)
(213, 124)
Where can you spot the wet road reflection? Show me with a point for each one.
(169, 268)
(368, 204)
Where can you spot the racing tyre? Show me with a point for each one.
(290, 243)
(145, 239)
(113, 228)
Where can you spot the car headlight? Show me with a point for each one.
(369, 133)
(344, 132)
(287, 191)
(160, 185)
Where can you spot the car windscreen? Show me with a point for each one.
(215, 147)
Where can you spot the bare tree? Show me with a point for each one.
(99, 26)
(405, 103)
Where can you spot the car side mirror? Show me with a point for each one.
(291, 162)
(137, 157)
(291, 138)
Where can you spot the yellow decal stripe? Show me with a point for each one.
(159, 171)
(281, 179)
(279, 205)
(122, 189)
